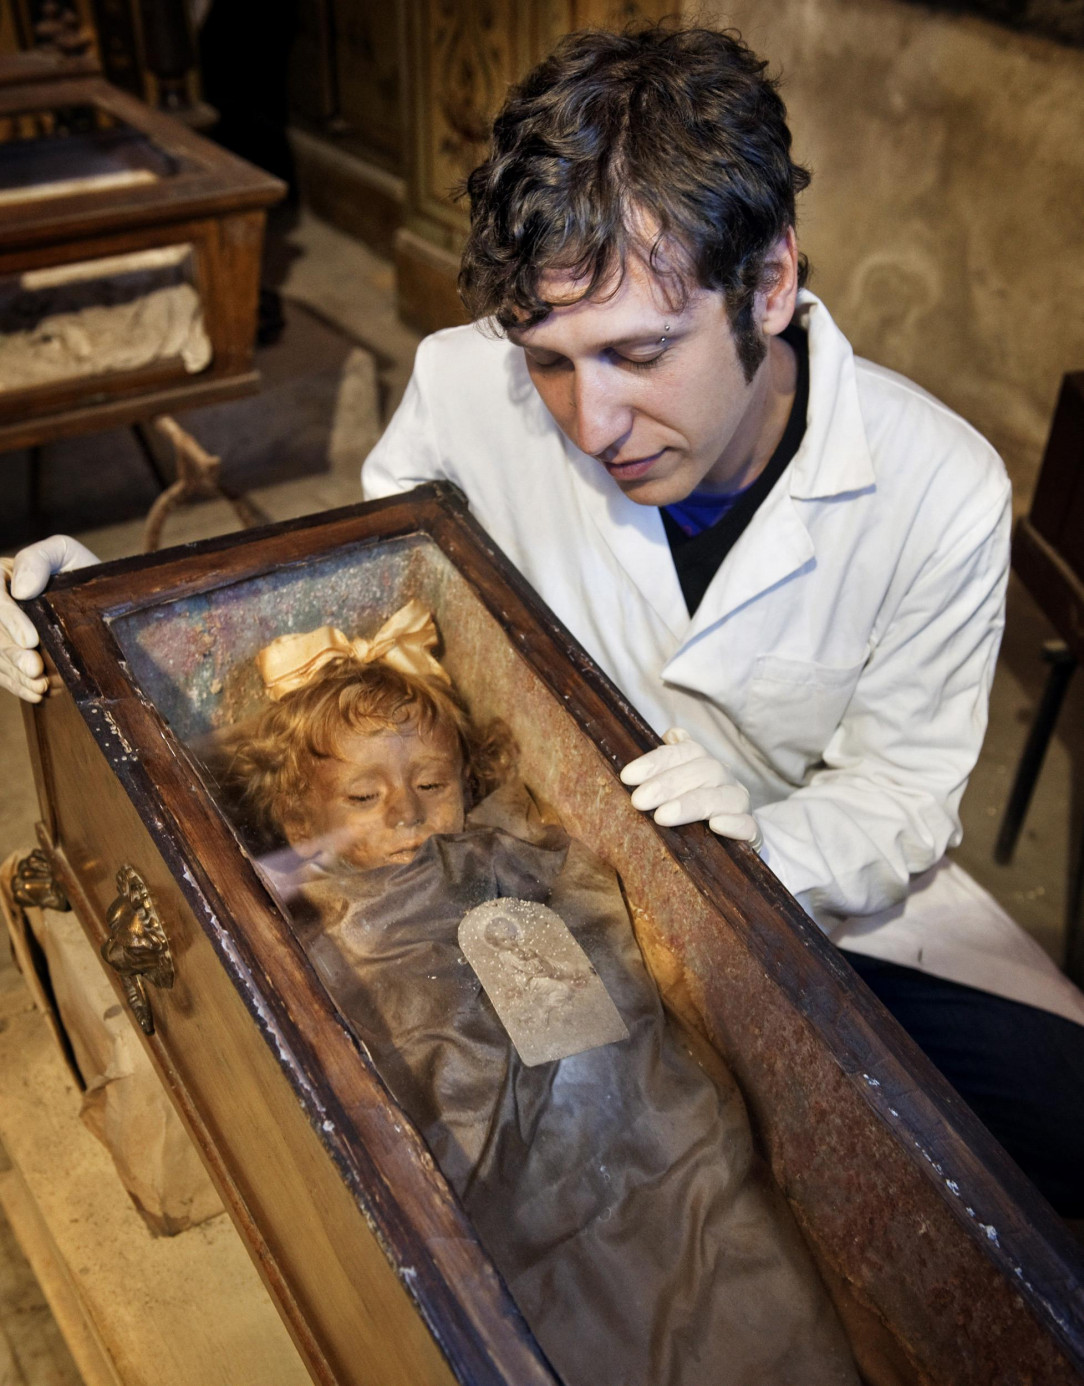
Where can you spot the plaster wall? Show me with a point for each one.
(945, 221)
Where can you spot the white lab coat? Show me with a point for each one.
(839, 662)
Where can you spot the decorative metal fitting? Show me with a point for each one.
(35, 885)
(137, 947)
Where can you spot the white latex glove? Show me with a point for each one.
(684, 784)
(21, 669)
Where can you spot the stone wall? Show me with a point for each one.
(945, 222)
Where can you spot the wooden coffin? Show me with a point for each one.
(947, 1266)
(88, 174)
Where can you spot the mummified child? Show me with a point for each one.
(366, 750)
(616, 1190)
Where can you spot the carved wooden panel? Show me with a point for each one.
(462, 55)
(118, 43)
(368, 55)
(313, 89)
(9, 32)
(66, 27)
(614, 14)
(346, 79)
(461, 58)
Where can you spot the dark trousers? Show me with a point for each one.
(1021, 1070)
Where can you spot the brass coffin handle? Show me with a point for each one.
(35, 884)
(137, 947)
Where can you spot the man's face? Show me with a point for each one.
(381, 796)
(656, 395)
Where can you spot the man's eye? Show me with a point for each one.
(639, 363)
(546, 363)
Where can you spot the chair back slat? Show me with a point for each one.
(1057, 509)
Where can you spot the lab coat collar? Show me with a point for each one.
(834, 456)
(833, 459)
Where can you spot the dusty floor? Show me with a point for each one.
(32, 1351)
(340, 284)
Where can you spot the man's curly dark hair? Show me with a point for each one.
(671, 143)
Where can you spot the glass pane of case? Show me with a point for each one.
(59, 150)
(101, 317)
(614, 1186)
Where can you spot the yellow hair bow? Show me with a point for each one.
(403, 641)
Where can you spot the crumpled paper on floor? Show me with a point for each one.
(124, 1103)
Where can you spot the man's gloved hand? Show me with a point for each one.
(684, 784)
(21, 669)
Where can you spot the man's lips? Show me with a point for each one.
(636, 467)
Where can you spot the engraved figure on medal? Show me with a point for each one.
(541, 983)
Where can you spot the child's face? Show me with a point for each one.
(382, 795)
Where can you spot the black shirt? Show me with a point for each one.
(699, 557)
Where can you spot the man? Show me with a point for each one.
(791, 559)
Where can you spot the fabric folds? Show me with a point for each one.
(617, 1190)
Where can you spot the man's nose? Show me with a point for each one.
(404, 808)
(602, 419)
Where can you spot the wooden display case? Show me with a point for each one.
(89, 174)
(946, 1265)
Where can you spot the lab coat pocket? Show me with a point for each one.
(792, 709)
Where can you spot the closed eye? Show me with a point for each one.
(550, 363)
(361, 798)
(637, 363)
(433, 786)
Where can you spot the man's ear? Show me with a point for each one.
(777, 297)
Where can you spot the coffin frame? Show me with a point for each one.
(927, 1233)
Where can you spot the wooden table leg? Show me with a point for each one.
(197, 479)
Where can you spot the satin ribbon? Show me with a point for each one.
(403, 641)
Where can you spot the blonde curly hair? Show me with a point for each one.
(262, 768)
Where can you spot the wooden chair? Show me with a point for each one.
(1048, 557)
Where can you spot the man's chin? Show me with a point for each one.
(667, 482)
(655, 491)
